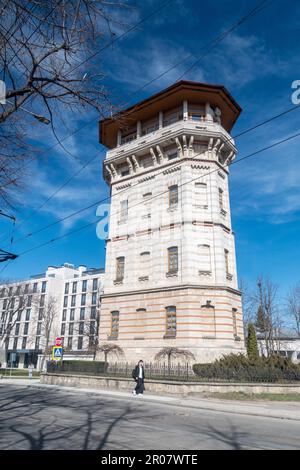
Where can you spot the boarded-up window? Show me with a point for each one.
(124, 210)
(145, 263)
(201, 195)
(208, 320)
(204, 257)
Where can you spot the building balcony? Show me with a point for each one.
(190, 126)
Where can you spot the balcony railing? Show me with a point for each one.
(189, 125)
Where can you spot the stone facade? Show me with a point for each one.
(170, 276)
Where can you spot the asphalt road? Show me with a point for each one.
(34, 418)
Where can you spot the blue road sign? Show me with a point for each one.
(57, 353)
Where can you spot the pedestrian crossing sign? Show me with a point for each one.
(57, 353)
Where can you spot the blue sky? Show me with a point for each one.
(257, 63)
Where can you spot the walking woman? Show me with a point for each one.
(139, 377)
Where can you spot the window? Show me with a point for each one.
(124, 210)
(65, 301)
(19, 315)
(204, 259)
(42, 301)
(84, 285)
(27, 317)
(171, 321)
(15, 345)
(172, 155)
(4, 304)
(71, 329)
(144, 264)
(24, 341)
(73, 300)
(93, 312)
(234, 321)
(26, 289)
(34, 288)
(2, 292)
(41, 314)
(83, 299)
(26, 326)
(10, 290)
(17, 331)
(18, 290)
(120, 268)
(64, 315)
(226, 255)
(44, 284)
(81, 328)
(67, 285)
(173, 195)
(201, 195)
(173, 259)
(80, 341)
(94, 298)
(72, 314)
(39, 328)
(37, 342)
(92, 328)
(29, 300)
(63, 329)
(221, 198)
(82, 313)
(70, 342)
(12, 303)
(74, 288)
(114, 324)
(95, 284)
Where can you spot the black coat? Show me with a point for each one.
(136, 372)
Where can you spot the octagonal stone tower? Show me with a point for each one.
(170, 276)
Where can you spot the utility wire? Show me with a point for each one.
(79, 211)
(166, 191)
(212, 44)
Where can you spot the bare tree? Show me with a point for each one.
(44, 50)
(174, 353)
(269, 322)
(293, 307)
(110, 349)
(248, 314)
(14, 304)
(47, 317)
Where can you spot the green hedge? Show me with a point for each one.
(84, 367)
(239, 368)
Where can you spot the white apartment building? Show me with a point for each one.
(62, 302)
(170, 275)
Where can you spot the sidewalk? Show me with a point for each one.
(279, 410)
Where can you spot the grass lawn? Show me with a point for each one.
(240, 396)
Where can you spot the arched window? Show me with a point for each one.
(171, 321)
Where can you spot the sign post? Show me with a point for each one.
(57, 353)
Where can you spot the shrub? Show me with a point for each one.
(252, 348)
(240, 368)
(84, 367)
